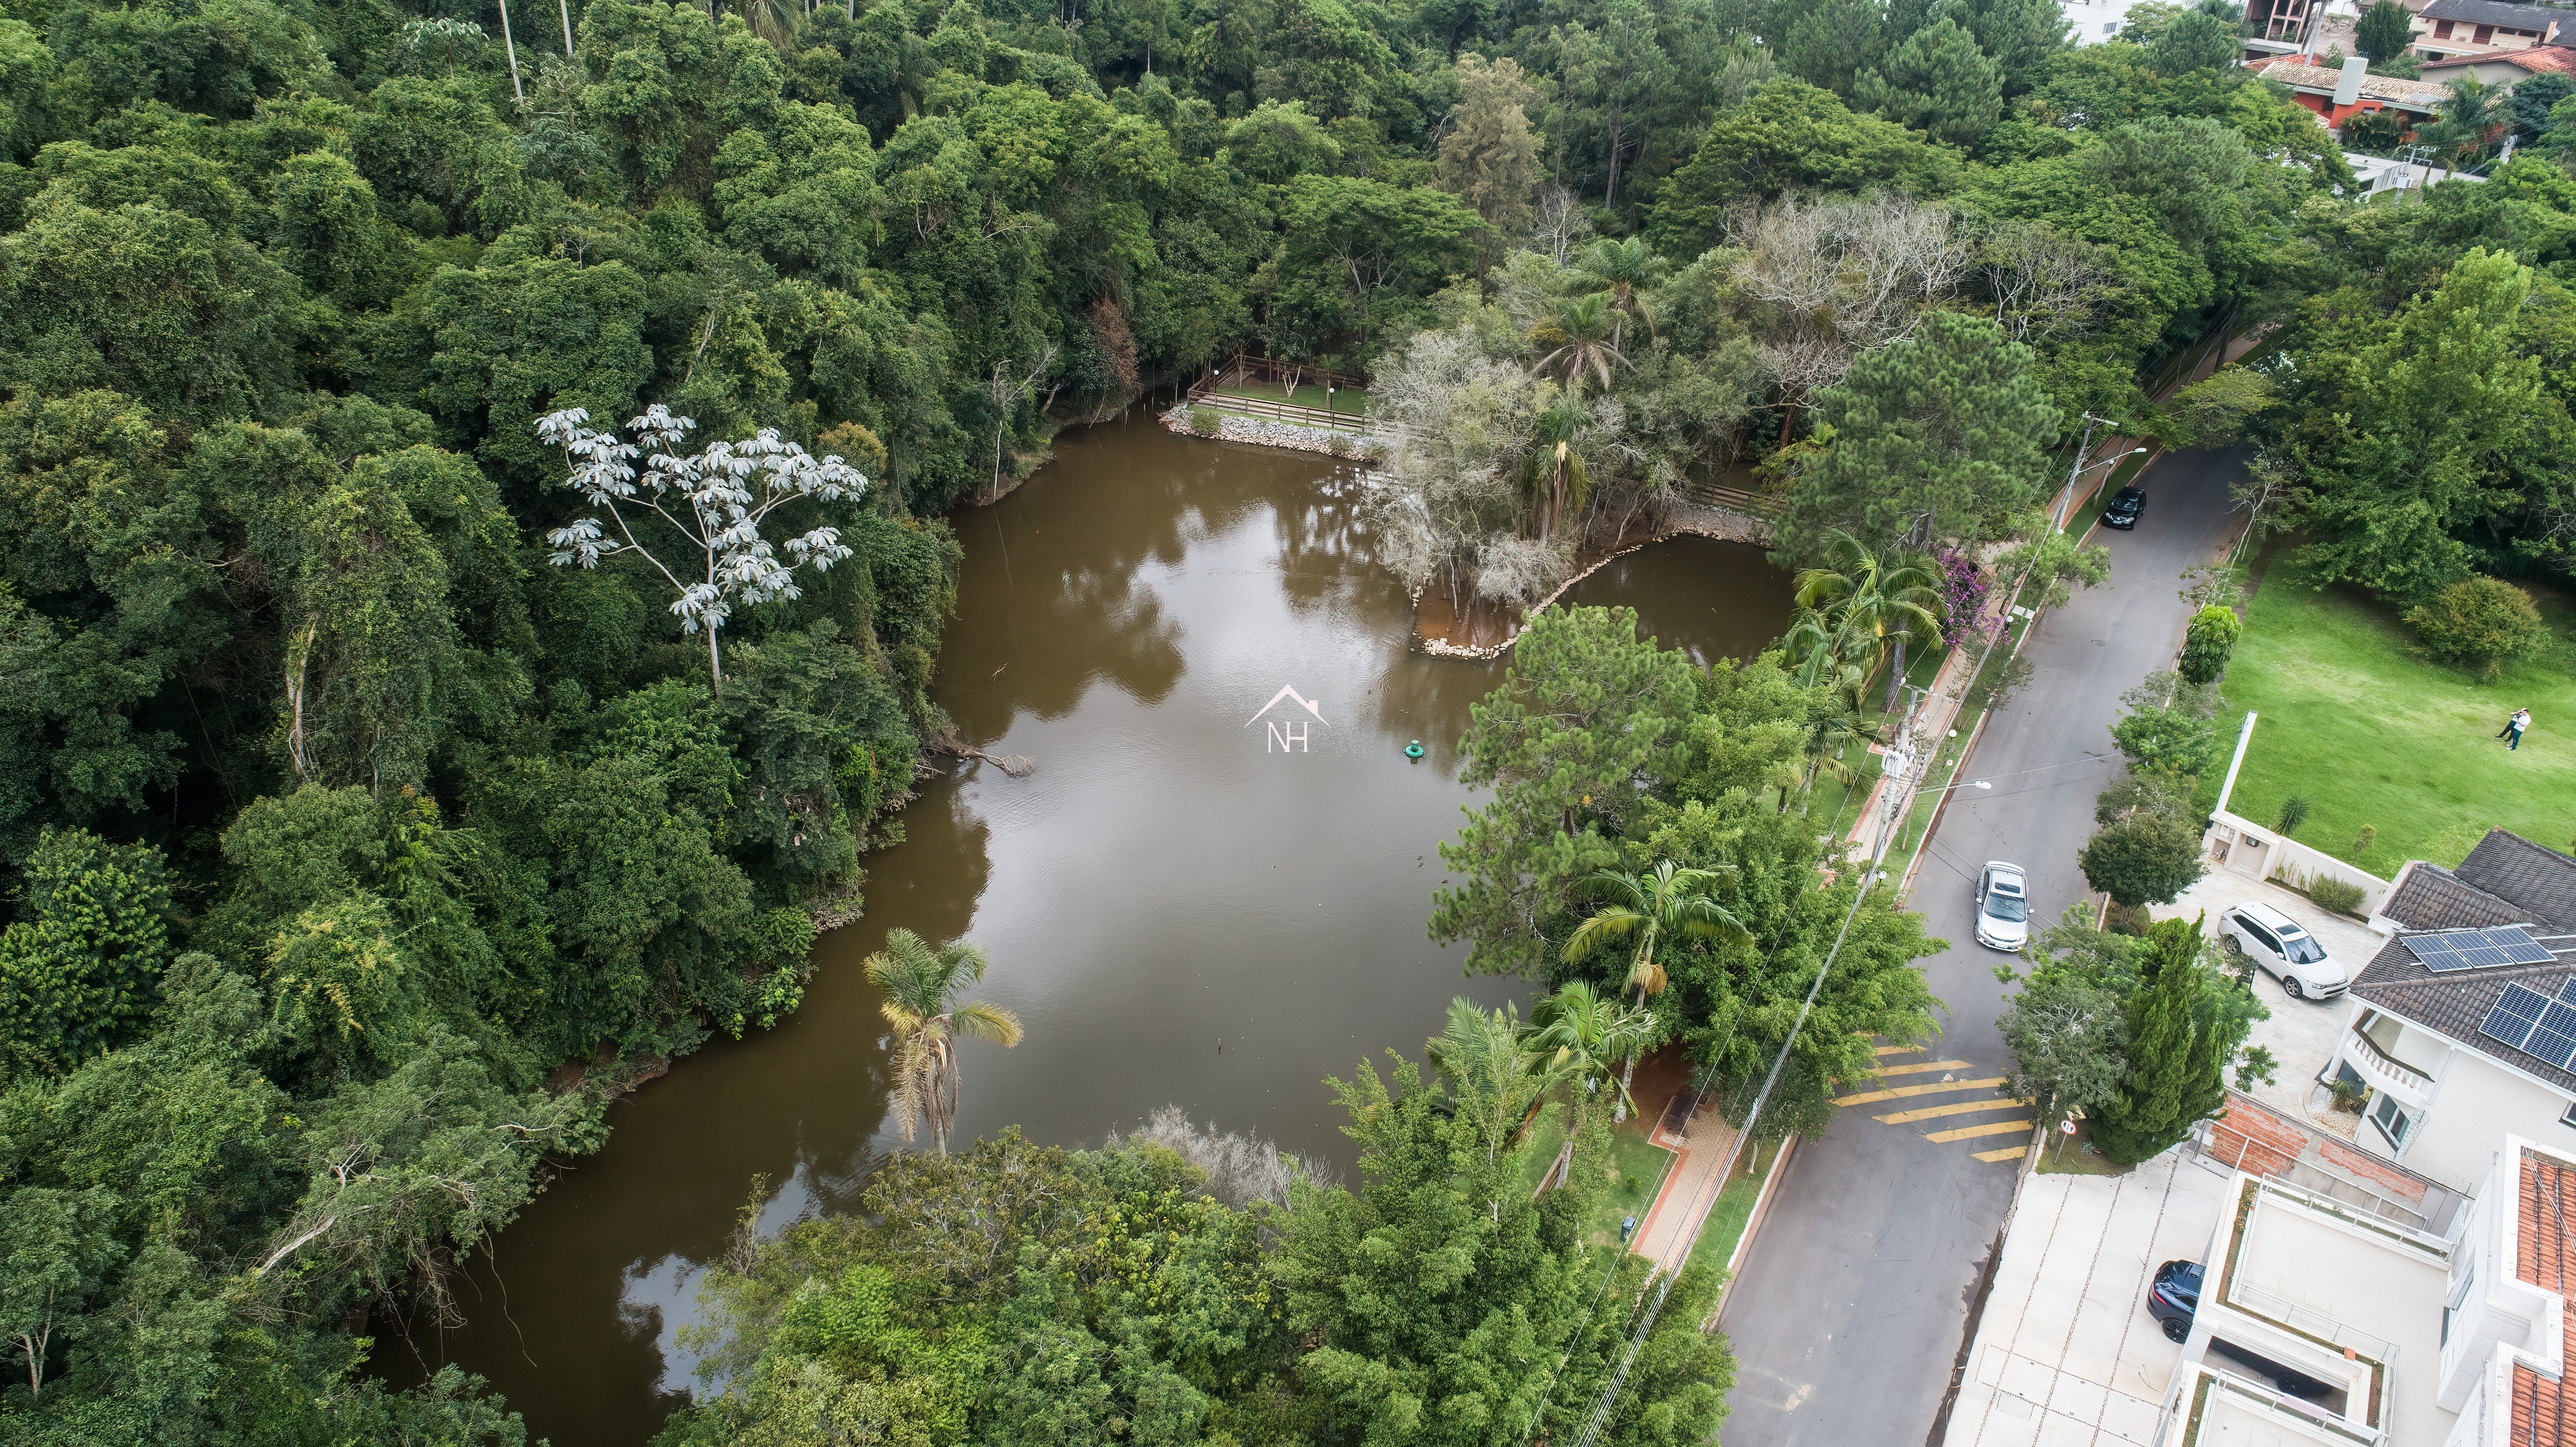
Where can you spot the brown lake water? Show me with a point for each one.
(1191, 900)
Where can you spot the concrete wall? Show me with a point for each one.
(2476, 1104)
(2241, 846)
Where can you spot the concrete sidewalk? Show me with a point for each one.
(2066, 1352)
(1690, 1188)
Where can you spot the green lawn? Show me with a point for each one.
(1344, 399)
(2370, 733)
(1637, 1167)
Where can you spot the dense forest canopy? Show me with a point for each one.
(368, 823)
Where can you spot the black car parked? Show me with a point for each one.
(2175, 1297)
(2124, 508)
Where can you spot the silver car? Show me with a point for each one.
(2003, 907)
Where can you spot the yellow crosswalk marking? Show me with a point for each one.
(1898, 1049)
(2008, 1153)
(1869, 1097)
(1926, 1065)
(1965, 1132)
(1956, 1107)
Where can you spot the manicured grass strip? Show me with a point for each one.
(1734, 1209)
(2369, 733)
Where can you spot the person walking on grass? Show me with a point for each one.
(2513, 728)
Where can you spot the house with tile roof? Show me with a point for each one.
(2317, 1323)
(2448, 28)
(2505, 68)
(2337, 97)
(2438, 1037)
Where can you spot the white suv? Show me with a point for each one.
(2003, 907)
(2281, 947)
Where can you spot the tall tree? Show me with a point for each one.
(1670, 905)
(1489, 158)
(1564, 743)
(2173, 1080)
(2384, 32)
(1583, 1036)
(1938, 82)
(1936, 436)
(1867, 603)
(921, 985)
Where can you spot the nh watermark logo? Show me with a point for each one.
(1291, 734)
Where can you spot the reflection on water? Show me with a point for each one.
(1182, 905)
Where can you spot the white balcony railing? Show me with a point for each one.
(2386, 1071)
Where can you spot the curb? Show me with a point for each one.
(1752, 1227)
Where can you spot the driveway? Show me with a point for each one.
(1852, 1306)
(2066, 1352)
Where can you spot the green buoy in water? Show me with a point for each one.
(1413, 750)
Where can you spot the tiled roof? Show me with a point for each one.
(2539, 880)
(2414, 95)
(2431, 897)
(2495, 12)
(2455, 1003)
(2539, 59)
(2548, 1194)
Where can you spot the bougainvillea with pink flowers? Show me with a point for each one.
(1963, 595)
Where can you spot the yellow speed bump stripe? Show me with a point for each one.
(1869, 1097)
(1925, 1066)
(1899, 1049)
(2008, 1153)
(1956, 1107)
(1969, 1132)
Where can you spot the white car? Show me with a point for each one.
(2003, 907)
(2277, 943)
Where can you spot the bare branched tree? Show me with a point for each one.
(1452, 478)
(1838, 275)
(2042, 282)
(1240, 1168)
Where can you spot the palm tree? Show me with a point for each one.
(1487, 1060)
(1623, 268)
(1581, 338)
(2472, 112)
(1867, 602)
(1643, 909)
(1583, 1035)
(921, 986)
(1554, 468)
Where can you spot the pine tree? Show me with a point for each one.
(1489, 159)
(2173, 1077)
(1938, 82)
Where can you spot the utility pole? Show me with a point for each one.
(2074, 468)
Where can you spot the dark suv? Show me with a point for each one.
(2175, 1297)
(2124, 508)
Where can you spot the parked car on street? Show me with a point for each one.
(2124, 507)
(2280, 946)
(2003, 907)
(2175, 1297)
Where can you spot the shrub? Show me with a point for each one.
(2340, 895)
(1339, 444)
(1205, 422)
(2368, 836)
(2480, 622)
(2348, 1095)
(2206, 647)
(2294, 812)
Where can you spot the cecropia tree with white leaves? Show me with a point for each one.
(715, 499)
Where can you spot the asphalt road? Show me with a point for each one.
(1853, 1304)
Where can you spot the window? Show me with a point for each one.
(2485, 34)
(2392, 1122)
(2262, 937)
(2567, 1117)
(2110, 27)
(2442, 30)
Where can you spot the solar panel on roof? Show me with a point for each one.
(2550, 1046)
(2477, 949)
(2514, 1015)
